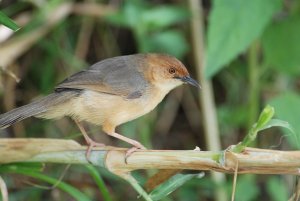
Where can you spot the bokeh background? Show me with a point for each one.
(245, 54)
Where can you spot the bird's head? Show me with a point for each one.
(167, 72)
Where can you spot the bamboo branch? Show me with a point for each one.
(255, 161)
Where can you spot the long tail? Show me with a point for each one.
(35, 108)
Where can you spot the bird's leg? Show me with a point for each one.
(136, 144)
(88, 140)
(110, 130)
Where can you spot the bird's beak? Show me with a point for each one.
(191, 81)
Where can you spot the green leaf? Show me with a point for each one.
(8, 22)
(287, 108)
(172, 184)
(277, 123)
(277, 189)
(281, 45)
(30, 166)
(264, 117)
(233, 26)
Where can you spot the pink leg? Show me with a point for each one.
(136, 144)
(128, 140)
(88, 140)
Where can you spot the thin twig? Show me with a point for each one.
(62, 175)
(207, 102)
(11, 74)
(84, 38)
(297, 190)
(4, 191)
(296, 194)
(234, 181)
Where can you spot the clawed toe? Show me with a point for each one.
(91, 145)
(132, 150)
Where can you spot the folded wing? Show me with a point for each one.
(116, 76)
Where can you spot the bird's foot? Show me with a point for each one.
(137, 146)
(91, 144)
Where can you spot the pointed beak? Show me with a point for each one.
(191, 81)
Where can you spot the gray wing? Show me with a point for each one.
(116, 76)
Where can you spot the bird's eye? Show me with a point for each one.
(172, 70)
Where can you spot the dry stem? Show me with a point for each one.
(255, 161)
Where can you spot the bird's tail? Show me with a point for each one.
(36, 108)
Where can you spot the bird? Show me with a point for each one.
(109, 93)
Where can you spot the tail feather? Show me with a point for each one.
(35, 108)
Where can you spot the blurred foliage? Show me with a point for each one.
(246, 189)
(275, 190)
(155, 25)
(252, 57)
